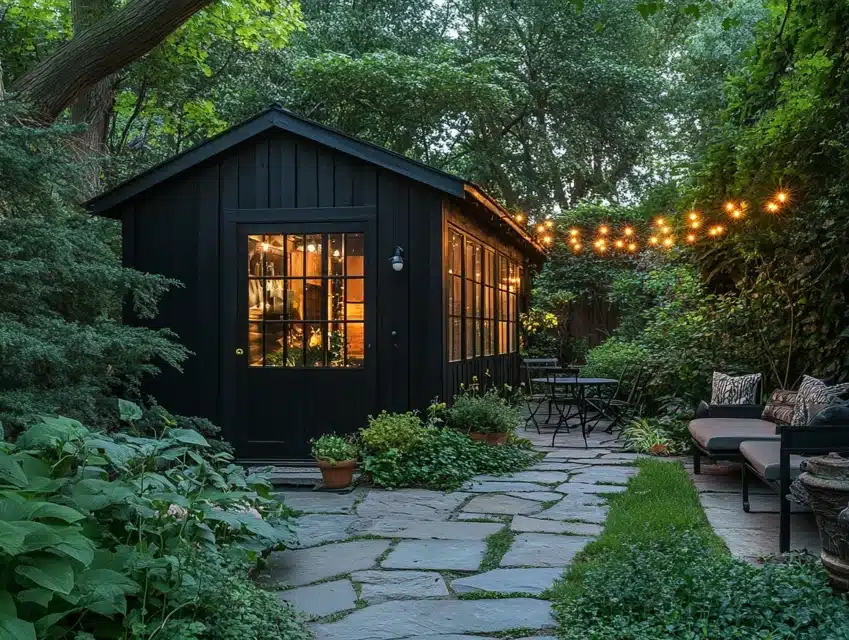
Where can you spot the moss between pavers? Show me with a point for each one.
(497, 544)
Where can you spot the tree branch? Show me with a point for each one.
(107, 47)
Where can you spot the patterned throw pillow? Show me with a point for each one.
(739, 390)
(811, 392)
(779, 408)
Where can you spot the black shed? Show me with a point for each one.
(325, 279)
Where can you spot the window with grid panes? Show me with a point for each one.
(455, 296)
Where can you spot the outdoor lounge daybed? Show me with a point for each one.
(718, 431)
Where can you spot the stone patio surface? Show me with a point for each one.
(399, 565)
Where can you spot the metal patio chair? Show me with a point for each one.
(536, 394)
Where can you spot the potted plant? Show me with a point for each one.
(485, 417)
(337, 458)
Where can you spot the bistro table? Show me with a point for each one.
(580, 385)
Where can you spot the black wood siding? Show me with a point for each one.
(174, 229)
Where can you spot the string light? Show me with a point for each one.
(573, 232)
(730, 206)
(632, 247)
(695, 224)
(691, 237)
(548, 239)
(577, 246)
(619, 244)
(781, 196)
(519, 217)
(667, 242)
(603, 230)
(694, 216)
(772, 207)
(549, 223)
(666, 230)
(540, 228)
(652, 240)
(737, 214)
(659, 222)
(628, 231)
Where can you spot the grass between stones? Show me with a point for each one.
(497, 544)
(495, 595)
(518, 632)
(659, 499)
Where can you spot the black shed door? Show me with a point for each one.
(305, 319)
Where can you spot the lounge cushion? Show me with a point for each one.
(763, 456)
(726, 434)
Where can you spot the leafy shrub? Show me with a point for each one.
(677, 587)
(332, 448)
(647, 436)
(98, 530)
(399, 431)
(612, 358)
(483, 413)
(443, 459)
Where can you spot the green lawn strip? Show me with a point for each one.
(659, 571)
(659, 499)
(497, 544)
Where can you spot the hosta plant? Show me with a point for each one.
(96, 529)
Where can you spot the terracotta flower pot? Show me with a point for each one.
(826, 481)
(489, 438)
(337, 475)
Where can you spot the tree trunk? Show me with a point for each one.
(107, 47)
(94, 106)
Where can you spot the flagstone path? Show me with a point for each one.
(407, 564)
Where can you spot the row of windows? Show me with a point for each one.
(483, 299)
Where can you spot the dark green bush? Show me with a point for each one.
(677, 587)
(388, 431)
(488, 412)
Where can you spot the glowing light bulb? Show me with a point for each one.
(619, 244)
(549, 223)
(730, 206)
(632, 246)
(781, 196)
(772, 207)
(695, 224)
(629, 231)
(736, 214)
(603, 230)
(577, 247)
(666, 230)
(548, 239)
(691, 237)
(652, 240)
(519, 217)
(540, 228)
(667, 242)
(573, 232)
(660, 222)
(694, 216)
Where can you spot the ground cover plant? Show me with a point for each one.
(118, 535)
(402, 450)
(659, 571)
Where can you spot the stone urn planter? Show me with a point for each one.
(826, 482)
(489, 438)
(337, 475)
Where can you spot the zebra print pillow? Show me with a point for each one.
(739, 390)
(811, 392)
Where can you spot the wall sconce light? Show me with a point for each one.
(397, 260)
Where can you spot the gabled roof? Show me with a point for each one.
(277, 117)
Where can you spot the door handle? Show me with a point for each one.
(240, 352)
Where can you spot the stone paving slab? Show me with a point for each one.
(442, 555)
(569, 510)
(610, 474)
(543, 550)
(538, 496)
(501, 504)
(380, 586)
(320, 501)
(576, 487)
(503, 487)
(426, 529)
(313, 530)
(574, 454)
(416, 504)
(298, 567)
(524, 524)
(477, 516)
(533, 581)
(541, 477)
(322, 599)
(557, 466)
(428, 618)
